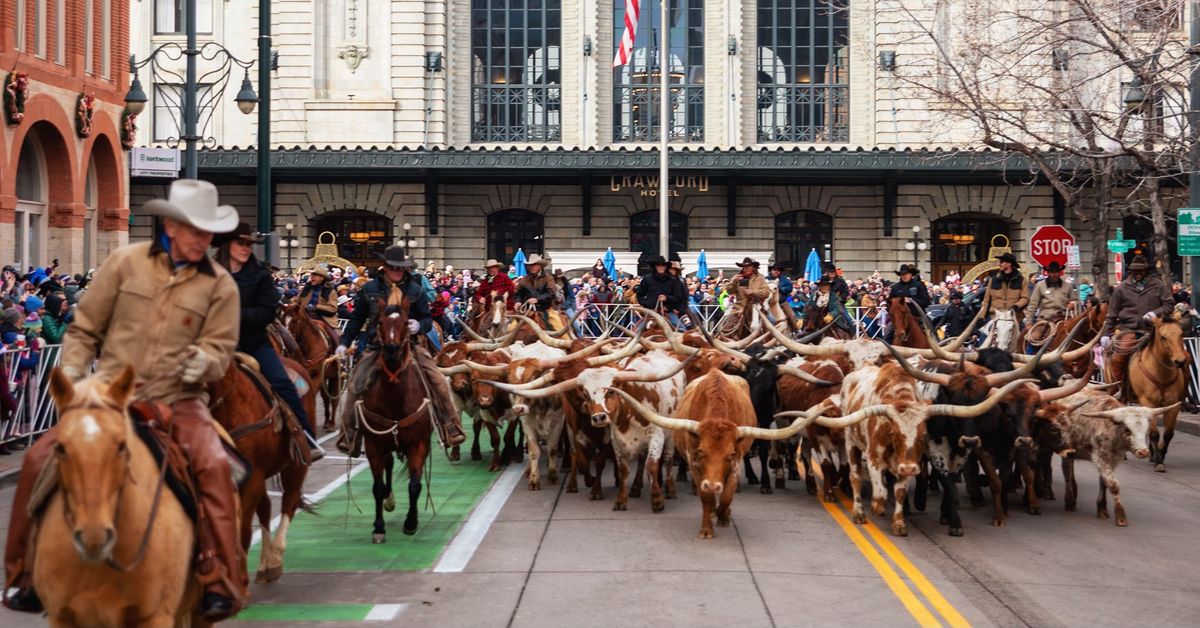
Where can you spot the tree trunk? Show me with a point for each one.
(1158, 221)
(1099, 233)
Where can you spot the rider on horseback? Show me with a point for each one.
(318, 297)
(1048, 305)
(260, 305)
(828, 302)
(1135, 303)
(660, 291)
(837, 284)
(910, 287)
(749, 287)
(1007, 289)
(396, 277)
(539, 290)
(166, 309)
(496, 282)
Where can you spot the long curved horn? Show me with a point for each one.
(1079, 353)
(549, 363)
(842, 422)
(783, 433)
(1062, 392)
(454, 370)
(674, 341)
(941, 379)
(810, 338)
(966, 412)
(486, 369)
(558, 343)
(1103, 387)
(962, 338)
(537, 393)
(1165, 409)
(665, 422)
(535, 383)
(805, 375)
(633, 376)
(630, 349)
(475, 335)
(803, 349)
(999, 379)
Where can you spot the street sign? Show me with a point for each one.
(1189, 231)
(1119, 264)
(1120, 244)
(1073, 257)
(1049, 244)
(154, 162)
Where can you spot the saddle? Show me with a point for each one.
(280, 415)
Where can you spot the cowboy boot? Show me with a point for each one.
(20, 529)
(444, 411)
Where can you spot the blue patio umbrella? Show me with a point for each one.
(812, 266)
(519, 262)
(702, 265)
(610, 264)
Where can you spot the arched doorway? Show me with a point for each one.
(513, 229)
(960, 241)
(797, 233)
(32, 198)
(362, 236)
(643, 236)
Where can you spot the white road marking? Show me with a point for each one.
(385, 612)
(322, 493)
(324, 439)
(463, 547)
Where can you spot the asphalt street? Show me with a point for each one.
(497, 554)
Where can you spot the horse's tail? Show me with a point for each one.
(307, 506)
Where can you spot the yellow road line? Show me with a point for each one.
(889, 575)
(931, 593)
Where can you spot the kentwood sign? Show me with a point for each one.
(154, 162)
(649, 184)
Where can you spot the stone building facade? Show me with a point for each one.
(63, 179)
(469, 89)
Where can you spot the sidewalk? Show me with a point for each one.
(10, 466)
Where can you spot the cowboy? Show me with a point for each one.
(318, 297)
(837, 283)
(1007, 289)
(957, 316)
(164, 308)
(785, 285)
(660, 291)
(396, 277)
(1136, 302)
(1048, 305)
(496, 282)
(538, 289)
(260, 304)
(748, 286)
(910, 287)
(825, 300)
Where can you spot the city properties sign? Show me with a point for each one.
(154, 162)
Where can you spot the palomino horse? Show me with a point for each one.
(396, 392)
(114, 548)
(1156, 379)
(241, 406)
(317, 342)
(907, 331)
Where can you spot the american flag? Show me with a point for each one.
(625, 50)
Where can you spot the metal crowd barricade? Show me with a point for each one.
(30, 389)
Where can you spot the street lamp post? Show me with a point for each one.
(290, 244)
(916, 244)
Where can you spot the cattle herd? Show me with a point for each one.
(812, 410)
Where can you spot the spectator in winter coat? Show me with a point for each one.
(56, 318)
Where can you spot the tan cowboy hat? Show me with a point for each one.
(321, 270)
(492, 262)
(195, 202)
(536, 259)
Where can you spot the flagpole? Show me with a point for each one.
(664, 201)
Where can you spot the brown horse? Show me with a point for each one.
(396, 392)
(250, 417)
(490, 321)
(907, 330)
(317, 342)
(1156, 379)
(114, 548)
(814, 320)
(1093, 312)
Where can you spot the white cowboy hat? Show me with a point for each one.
(535, 259)
(195, 203)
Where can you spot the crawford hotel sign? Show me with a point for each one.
(648, 185)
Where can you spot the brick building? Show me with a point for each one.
(63, 178)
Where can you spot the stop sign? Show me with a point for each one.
(1049, 244)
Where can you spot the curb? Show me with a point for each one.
(9, 478)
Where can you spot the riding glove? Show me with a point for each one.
(195, 365)
(1105, 341)
(414, 327)
(340, 352)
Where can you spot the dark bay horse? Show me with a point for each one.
(317, 342)
(250, 412)
(394, 416)
(1094, 312)
(907, 330)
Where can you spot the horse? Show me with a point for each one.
(396, 392)
(1156, 379)
(490, 321)
(907, 331)
(238, 403)
(317, 342)
(1003, 331)
(1094, 312)
(114, 548)
(814, 320)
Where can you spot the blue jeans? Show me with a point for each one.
(272, 369)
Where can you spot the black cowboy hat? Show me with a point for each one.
(1054, 267)
(748, 262)
(242, 232)
(828, 267)
(657, 260)
(1139, 263)
(396, 257)
(905, 268)
(777, 266)
(824, 281)
(1007, 257)
(956, 295)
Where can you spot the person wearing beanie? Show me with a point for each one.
(10, 326)
(55, 319)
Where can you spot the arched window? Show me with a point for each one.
(643, 235)
(803, 71)
(636, 94)
(32, 194)
(960, 241)
(514, 229)
(798, 233)
(362, 236)
(516, 84)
